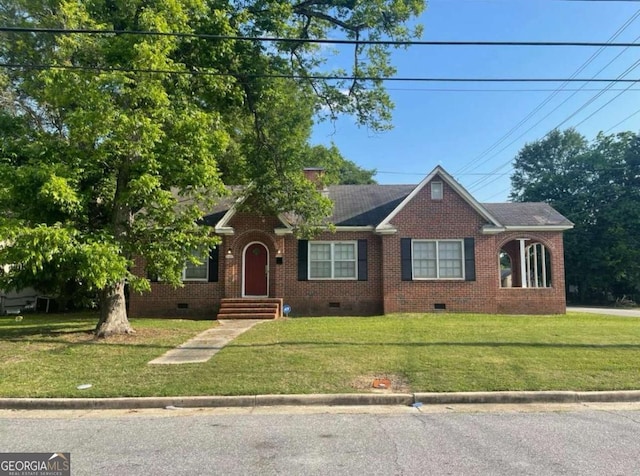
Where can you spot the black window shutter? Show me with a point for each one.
(469, 259)
(363, 272)
(303, 257)
(405, 257)
(214, 258)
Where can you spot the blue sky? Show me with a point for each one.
(461, 130)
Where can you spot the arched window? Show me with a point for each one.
(524, 263)
(506, 269)
(538, 268)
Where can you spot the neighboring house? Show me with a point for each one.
(15, 302)
(396, 248)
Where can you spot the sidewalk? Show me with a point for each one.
(206, 344)
(348, 399)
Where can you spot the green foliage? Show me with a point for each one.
(337, 169)
(104, 161)
(95, 162)
(597, 186)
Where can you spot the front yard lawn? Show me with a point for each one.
(47, 356)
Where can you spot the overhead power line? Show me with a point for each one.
(197, 71)
(486, 181)
(482, 183)
(422, 174)
(622, 121)
(476, 162)
(596, 96)
(335, 41)
(510, 90)
(600, 108)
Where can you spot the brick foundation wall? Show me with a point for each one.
(383, 291)
(335, 297)
(530, 301)
(202, 299)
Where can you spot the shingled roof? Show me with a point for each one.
(369, 205)
(526, 214)
(365, 205)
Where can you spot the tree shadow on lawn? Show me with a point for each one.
(442, 344)
(15, 335)
(80, 337)
(12, 328)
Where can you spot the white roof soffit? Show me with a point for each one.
(288, 231)
(222, 227)
(460, 190)
(288, 228)
(491, 230)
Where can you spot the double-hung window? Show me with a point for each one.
(438, 259)
(197, 272)
(333, 260)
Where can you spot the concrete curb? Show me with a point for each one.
(346, 399)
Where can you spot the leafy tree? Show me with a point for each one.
(114, 145)
(338, 170)
(595, 185)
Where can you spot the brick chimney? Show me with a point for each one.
(315, 175)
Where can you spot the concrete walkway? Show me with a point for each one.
(208, 343)
(607, 311)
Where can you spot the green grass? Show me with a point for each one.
(45, 356)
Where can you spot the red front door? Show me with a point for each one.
(256, 270)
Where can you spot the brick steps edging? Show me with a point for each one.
(250, 308)
(321, 399)
(248, 315)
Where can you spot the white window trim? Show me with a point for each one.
(333, 243)
(438, 278)
(205, 262)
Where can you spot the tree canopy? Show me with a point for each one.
(338, 170)
(113, 145)
(597, 186)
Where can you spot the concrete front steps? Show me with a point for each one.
(250, 308)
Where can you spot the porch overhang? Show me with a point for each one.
(494, 230)
(386, 229)
(224, 230)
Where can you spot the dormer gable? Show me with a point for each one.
(434, 185)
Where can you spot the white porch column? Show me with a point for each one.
(544, 267)
(535, 266)
(523, 269)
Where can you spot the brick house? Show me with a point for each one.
(395, 248)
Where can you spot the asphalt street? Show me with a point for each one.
(499, 439)
(635, 312)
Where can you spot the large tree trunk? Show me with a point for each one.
(113, 312)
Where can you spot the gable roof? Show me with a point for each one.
(385, 225)
(226, 209)
(374, 206)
